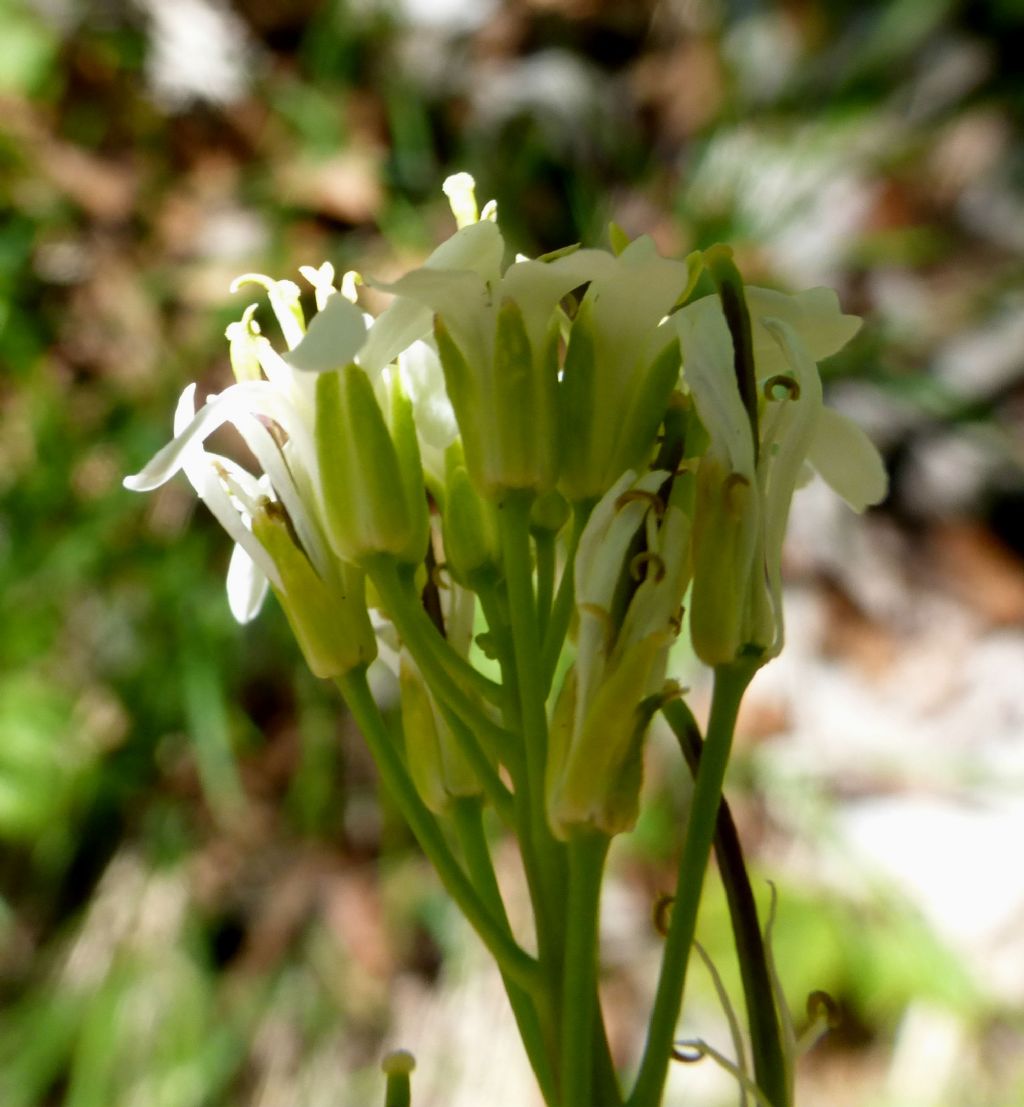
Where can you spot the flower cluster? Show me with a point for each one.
(656, 440)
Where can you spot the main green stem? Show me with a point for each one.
(512, 959)
(766, 1042)
(580, 1003)
(730, 683)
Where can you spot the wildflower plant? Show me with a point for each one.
(544, 463)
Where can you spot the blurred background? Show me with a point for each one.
(203, 900)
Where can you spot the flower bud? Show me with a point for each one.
(549, 513)
(725, 540)
(595, 769)
(436, 764)
(505, 404)
(328, 617)
(471, 542)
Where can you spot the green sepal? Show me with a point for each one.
(506, 409)
(725, 541)
(364, 493)
(561, 252)
(639, 427)
(407, 450)
(512, 463)
(471, 541)
(695, 267)
(463, 389)
(595, 768)
(438, 769)
(329, 618)
(729, 285)
(617, 238)
(577, 406)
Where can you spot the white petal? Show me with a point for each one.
(322, 280)
(815, 316)
(398, 326)
(709, 371)
(477, 248)
(247, 586)
(461, 296)
(280, 477)
(212, 492)
(332, 338)
(423, 380)
(203, 472)
(629, 300)
(185, 411)
(847, 460)
(250, 396)
(537, 286)
(782, 459)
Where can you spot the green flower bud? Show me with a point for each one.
(595, 770)
(372, 482)
(328, 617)
(725, 539)
(436, 765)
(506, 405)
(549, 513)
(471, 542)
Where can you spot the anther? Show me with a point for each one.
(656, 503)
(781, 387)
(638, 566)
(688, 1052)
(662, 913)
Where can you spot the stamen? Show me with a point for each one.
(656, 503)
(821, 1006)
(689, 1052)
(735, 489)
(781, 387)
(638, 566)
(662, 913)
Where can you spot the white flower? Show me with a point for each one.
(632, 568)
(744, 488)
(274, 416)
